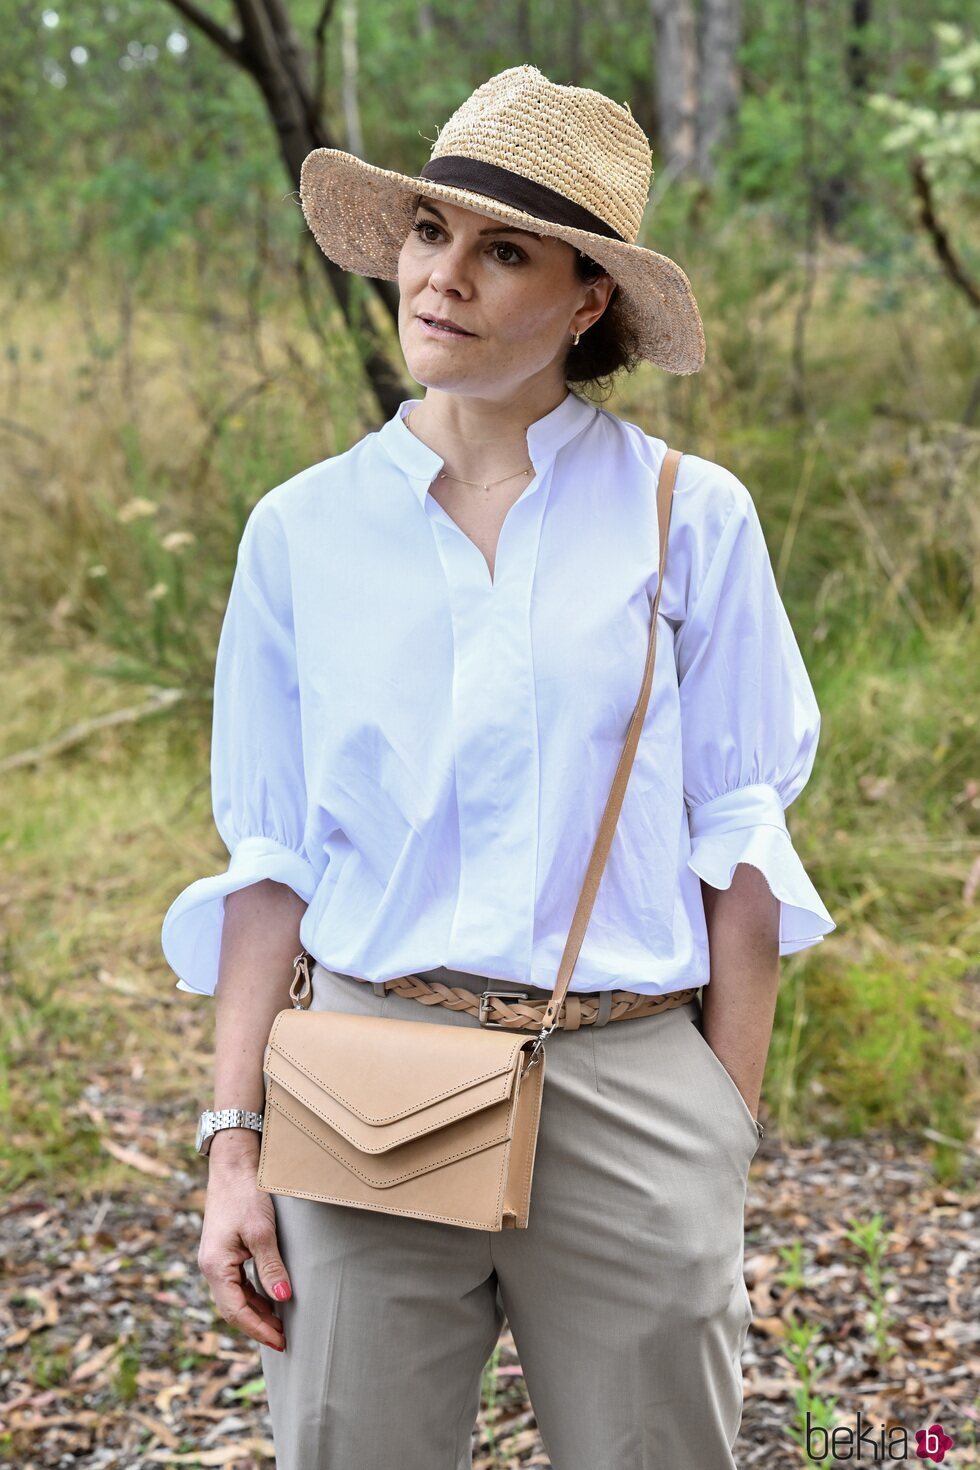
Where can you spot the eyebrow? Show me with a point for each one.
(493, 230)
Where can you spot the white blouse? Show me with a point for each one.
(423, 753)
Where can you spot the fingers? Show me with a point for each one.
(272, 1274)
(240, 1228)
(260, 1306)
(241, 1305)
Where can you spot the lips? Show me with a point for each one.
(443, 324)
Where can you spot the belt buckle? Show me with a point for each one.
(501, 995)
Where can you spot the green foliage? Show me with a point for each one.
(253, 1389)
(126, 1376)
(49, 1366)
(488, 1397)
(873, 1046)
(800, 1347)
(807, 130)
(870, 1241)
(942, 124)
(132, 151)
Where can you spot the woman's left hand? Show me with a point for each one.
(739, 1004)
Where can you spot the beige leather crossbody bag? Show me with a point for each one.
(433, 1122)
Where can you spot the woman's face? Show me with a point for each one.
(517, 293)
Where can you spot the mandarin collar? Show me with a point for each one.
(544, 439)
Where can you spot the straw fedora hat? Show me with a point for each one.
(563, 161)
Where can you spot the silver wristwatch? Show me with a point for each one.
(210, 1123)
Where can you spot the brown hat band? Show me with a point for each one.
(514, 189)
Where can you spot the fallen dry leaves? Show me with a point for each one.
(111, 1354)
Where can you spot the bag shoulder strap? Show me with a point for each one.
(614, 802)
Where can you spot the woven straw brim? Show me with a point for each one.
(360, 216)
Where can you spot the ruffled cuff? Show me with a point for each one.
(749, 826)
(191, 933)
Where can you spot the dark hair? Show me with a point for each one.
(609, 346)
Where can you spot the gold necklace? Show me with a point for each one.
(484, 485)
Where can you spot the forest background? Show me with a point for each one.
(174, 344)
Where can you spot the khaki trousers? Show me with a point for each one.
(625, 1295)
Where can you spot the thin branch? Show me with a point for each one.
(940, 239)
(896, 578)
(75, 734)
(307, 295)
(972, 402)
(292, 56)
(194, 473)
(810, 241)
(13, 427)
(320, 56)
(212, 30)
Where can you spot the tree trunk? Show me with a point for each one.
(858, 64)
(349, 61)
(676, 66)
(425, 25)
(839, 194)
(269, 50)
(721, 27)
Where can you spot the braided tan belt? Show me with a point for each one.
(513, 1010)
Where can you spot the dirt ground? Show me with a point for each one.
(111, 1353)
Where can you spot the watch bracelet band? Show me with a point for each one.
(235, 1117)
(222, 1118)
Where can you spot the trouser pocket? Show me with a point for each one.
(736, 1107)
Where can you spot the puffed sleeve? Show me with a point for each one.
(749, 719)
(258, 786)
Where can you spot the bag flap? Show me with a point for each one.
(482, 1132)
(480, 1104)
(350, 1071)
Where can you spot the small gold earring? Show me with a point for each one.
(577, 335)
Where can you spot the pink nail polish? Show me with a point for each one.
(281, 1291)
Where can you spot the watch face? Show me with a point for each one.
(200, 1133)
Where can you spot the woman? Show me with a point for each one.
(432, 648)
